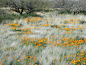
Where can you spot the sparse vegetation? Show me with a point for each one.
(52, 39)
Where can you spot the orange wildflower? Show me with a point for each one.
(73, 61)
(65, 57)
(54, 43)
(14, 28)
(59, 40)
(34, 59)
(18, 60)
(83, 52)
(13, 24)
(52, 36)
(67, 29)
(39, 44)
(85, 58)
(49, 41)
(47, 24)
(71, 19)
(26, 39)
(21, 43)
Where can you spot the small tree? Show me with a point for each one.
(18, 5)
(29, 5)
(69, 5)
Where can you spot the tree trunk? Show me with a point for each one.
(21, 11)
(74, 12)
(18, 10)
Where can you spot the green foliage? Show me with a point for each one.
(10, 16)
(64, 12)
(15, 63)
(83, 12)
(55, 26)
(82, 22)
(70, 12)
(43, 10)
(48, 10)
(37, 62)
(16, 30)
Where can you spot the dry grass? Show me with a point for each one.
(51, 40)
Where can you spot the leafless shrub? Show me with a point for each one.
(69, 5)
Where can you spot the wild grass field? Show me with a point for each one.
(48, 40)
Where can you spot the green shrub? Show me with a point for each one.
(48, 10)
(83, 12)
(82, 21)
(43, 10)
(70, 12)
(64, 12)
